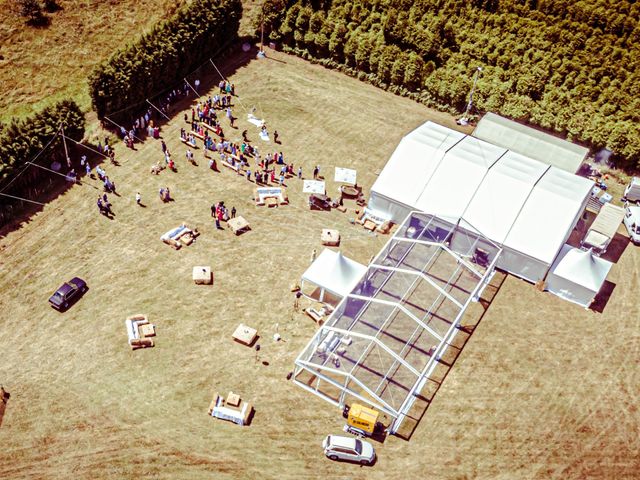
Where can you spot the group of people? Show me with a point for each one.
(104, 206)
(220, 213)
(233, 153)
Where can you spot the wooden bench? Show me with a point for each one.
(197, 135)
(186, 142)
(236, 168)
(211, 129)
(314, 314)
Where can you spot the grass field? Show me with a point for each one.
(542, 389)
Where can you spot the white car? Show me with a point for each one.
(632, 223)
(348, 448)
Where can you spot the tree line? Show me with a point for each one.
(164, 56)
(22, 140)
(566, 66)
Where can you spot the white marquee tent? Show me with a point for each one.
(526, 206)
(334, 273)
(577, 275)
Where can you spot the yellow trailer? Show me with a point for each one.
(362, 420)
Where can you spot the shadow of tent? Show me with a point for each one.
(616, 248)
(469, 323)
(602, 298)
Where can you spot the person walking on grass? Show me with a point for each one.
(138, 198)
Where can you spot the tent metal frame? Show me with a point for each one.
(346, 381)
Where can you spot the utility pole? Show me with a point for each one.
(469, 105)
(64, 142)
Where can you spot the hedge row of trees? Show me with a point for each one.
(23, 139)
(164, 56)
(572, 67)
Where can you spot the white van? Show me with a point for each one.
(632, 223)
(632, 192)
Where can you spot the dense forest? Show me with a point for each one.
(568, 66)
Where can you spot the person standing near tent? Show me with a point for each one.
(316, 170)
(300, 173)
(296, 302)
(233, 212)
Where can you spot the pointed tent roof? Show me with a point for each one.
(334, 272)
(582, 268)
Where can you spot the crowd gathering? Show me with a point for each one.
(204, 124)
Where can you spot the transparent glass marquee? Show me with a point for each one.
(384, 338)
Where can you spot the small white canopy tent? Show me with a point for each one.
(577, 275)
(334, 273)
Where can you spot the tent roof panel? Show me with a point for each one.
(460, 172)
(502, 194)
(548, 215)
(414, 160)
(530, 142)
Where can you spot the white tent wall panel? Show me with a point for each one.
(522, 266)
(395, 210)
(570, 291)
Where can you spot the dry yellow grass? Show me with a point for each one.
(542, 389)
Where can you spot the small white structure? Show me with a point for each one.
(577, 275)
(334, 273)
(345, 175)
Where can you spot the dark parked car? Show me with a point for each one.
(67, 293)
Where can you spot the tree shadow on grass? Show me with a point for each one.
(15, 213)
(469, 323)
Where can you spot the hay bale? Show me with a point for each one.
(141, 343)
